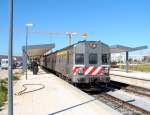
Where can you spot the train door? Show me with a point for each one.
(92, 54)
(54, 62)
(45, 58)
(67, 63)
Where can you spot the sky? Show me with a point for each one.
(124, 22)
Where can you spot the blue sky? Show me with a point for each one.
(125, 22)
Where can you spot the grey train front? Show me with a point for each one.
(83, 62)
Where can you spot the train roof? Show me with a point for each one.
(84, 41)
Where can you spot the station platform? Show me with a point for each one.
(139, 79)
(47, 94)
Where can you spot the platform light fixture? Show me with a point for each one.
(84, 35)
(29, 25)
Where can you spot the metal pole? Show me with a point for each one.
(26, 51)
(10, 55)
(127, 56)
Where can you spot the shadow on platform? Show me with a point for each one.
(72, 107)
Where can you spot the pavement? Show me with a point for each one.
(136, 75)
(3, 74)
(47, 94)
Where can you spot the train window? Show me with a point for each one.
(104, 59)
(93, 58)
(79, 58)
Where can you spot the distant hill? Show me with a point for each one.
(18, 58)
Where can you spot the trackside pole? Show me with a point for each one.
(10, 54)
(127, 58)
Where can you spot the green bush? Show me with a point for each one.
(138, 67)
(3, 92)
(15, 77)
(3, 89)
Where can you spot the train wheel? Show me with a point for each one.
(68, 80)
(106, 85)
(76, 84)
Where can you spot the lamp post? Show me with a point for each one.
(26, 59)
(10, 54)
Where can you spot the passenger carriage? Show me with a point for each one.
(83, 62)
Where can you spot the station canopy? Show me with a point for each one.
(38, 50)
(121, 48)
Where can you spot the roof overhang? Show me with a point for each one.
(121, 48)
(38, 50)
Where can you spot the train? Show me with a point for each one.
(4, 63)
(85, 62)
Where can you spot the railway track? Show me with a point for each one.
(121, 105)
(125, 107)
(131, 89)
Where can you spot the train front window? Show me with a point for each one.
(93, 58)
(79, 58)
(104, 59)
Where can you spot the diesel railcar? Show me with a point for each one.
(83, 62)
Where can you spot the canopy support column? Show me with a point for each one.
(127, 58)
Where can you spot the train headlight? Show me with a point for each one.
(80, 71)
(105, 70)
(94, 46)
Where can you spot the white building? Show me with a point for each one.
(120, 57)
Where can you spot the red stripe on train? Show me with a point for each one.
(85, 68)
(93, 69)
(100, 71)
(74, 69)
(90, 70)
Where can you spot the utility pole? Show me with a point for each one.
(10, 55)
(26, 51)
